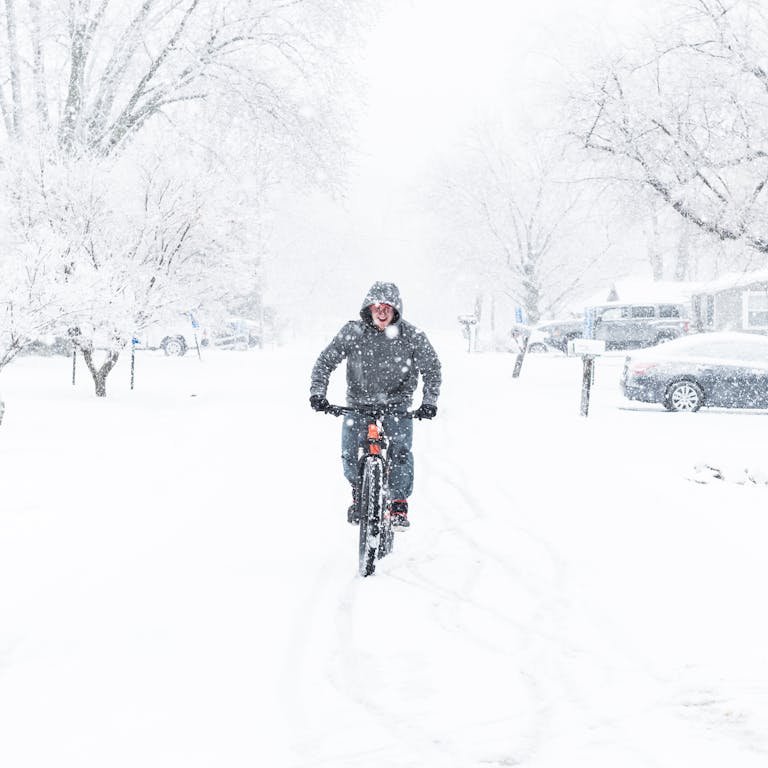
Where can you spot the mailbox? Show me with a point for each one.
(586, 347)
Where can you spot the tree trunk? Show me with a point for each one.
(38, 66)
(531, 293)
(654, 249)
(14, 68)
(73, 107)
(100, 374)
(683, 252)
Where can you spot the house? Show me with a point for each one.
(734, 302)
(641, 291)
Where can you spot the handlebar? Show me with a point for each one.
(374, 412)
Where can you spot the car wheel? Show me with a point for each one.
(664, 337)
(684, 395)
(537, 346)
(174, 346)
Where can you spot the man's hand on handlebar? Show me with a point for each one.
(425, 411)
(319, 403)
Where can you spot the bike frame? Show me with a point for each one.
(376, 537)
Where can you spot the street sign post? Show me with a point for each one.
(195, 328)
(589, 349)
(134, 342)
(469, 323)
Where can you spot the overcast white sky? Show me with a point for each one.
(435, 67)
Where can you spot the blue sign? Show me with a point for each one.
(518, 314)
(134, 341)
(195, 324)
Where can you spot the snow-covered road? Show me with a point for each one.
(178, 582)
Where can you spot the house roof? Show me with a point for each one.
(734, 280)
(641, 291)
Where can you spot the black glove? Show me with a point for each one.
(425, 411)
(319, 403)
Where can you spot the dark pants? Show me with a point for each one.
(400, 434)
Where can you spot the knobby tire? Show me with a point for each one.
(371, 502)
(387, 543)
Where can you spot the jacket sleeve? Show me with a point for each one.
(428, 363)
(327, 363)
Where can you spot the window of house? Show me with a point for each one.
(755, 309)
(613, 313)
(669, 310)
(642, 311)
(709, 312)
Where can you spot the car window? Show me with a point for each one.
(642, 311)
(613, 313)
(669, 310)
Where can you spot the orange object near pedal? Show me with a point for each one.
(373, 438)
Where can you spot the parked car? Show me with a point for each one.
(47, 345)
(724, 369)
(555, 334)
(629, 326)
(174, 338)
(237, 333)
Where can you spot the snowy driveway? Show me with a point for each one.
(178, 588)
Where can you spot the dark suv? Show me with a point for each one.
(627, 326)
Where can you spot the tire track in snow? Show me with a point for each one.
(522, 652)
(546, 643)
(351, 676)
(353, 679)
(308, 646)
(296, 659)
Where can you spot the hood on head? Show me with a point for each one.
(382, 293)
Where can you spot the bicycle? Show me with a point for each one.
(376, 535)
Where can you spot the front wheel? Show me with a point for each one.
(684, 395)
(371, 507)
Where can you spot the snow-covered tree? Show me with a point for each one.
(686, 116)
(95, 73)
(518, 215)
(130, 128)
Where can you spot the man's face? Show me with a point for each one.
(382, 315)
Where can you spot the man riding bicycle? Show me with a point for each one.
(385, 355)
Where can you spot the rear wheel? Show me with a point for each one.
(684, 395)
(387, 538)
(371, 503)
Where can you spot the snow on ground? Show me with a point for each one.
(178, 582)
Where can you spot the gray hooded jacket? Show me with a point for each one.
(383, 367)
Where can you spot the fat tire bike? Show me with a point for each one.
(376, 536)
